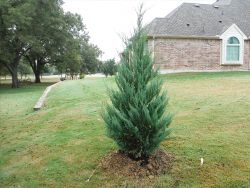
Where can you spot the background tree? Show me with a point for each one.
(135, 118)
(61, 66)
(73, 65)
(70, 60)
(90, 54)
(15, 26)
(109, 67)
(84, 54)
(44, 34)
(53, 31)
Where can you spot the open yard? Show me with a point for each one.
(61, 145)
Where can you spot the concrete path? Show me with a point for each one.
(41, 101)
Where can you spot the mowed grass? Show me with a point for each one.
(61, 145)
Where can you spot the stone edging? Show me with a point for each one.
(40, 102)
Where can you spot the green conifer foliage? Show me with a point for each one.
(136, 119)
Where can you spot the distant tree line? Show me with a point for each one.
(35, 35)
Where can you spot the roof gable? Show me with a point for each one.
(232, 30)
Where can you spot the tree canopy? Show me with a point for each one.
(15, 24)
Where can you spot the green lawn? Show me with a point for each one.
(62, 144)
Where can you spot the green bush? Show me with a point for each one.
(136, 118)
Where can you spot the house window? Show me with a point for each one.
(233, 49)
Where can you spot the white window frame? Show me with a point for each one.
(232, 45)
(232, 31)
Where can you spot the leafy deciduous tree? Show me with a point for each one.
(90, 54)
(15, 25)
(52, 30)
(109, 67)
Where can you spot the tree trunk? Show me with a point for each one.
(12, 68)
(15, 83)
(37, 76)
(36, 67)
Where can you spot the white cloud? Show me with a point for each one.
(107, 20)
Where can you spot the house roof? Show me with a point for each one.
(203, 20)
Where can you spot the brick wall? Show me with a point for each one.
(247, 54)
(193, 54)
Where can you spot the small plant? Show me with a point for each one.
(136, 118)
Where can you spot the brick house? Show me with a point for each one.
(198, 37)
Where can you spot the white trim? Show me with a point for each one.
(232, 31)
(234, 26)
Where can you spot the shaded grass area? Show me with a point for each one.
(62, 144)
(45, 79)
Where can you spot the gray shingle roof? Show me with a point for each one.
(191, 19)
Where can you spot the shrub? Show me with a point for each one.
(136, 118)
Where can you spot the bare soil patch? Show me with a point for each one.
(121, 164)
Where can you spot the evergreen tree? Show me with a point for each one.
(136, 118)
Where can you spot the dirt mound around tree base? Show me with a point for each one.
(120, 164)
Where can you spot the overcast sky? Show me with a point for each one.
(108, 20)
